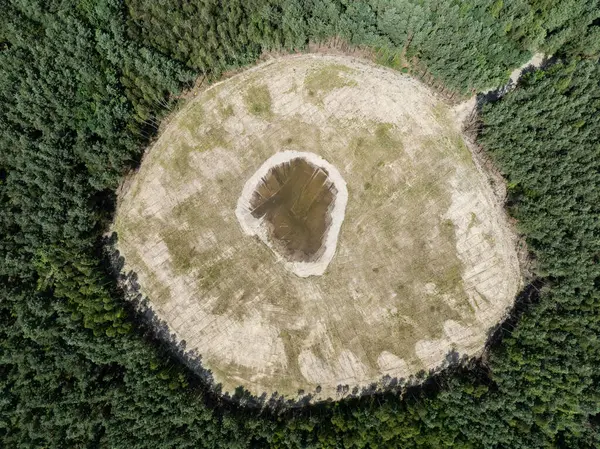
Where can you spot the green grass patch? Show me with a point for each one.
(292, 343)
(215, 136)
(320, 82)
(192, 118)
(226, 111)
(258, 101)
(211, 272)
(178, 163)
(385, 139)
(473, 220)
(184, 255)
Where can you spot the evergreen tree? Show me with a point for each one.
(83, 86)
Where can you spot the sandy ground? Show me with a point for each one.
(425, 262)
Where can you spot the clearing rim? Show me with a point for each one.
(424, 262)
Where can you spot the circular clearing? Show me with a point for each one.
(425, 262)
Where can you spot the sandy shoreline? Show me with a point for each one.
(255, 226)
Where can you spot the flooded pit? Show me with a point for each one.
(295, 204)
(294, 200)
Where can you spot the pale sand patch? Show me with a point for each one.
(255, 226)
(314, 369)
(425, 261)
(390, 363)
(347, 369)
(455, 337)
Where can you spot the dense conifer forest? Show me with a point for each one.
(83, 87)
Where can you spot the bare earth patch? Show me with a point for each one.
(423, 262)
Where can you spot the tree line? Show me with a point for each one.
(83, 87)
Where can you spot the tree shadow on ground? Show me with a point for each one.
(420, 385)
